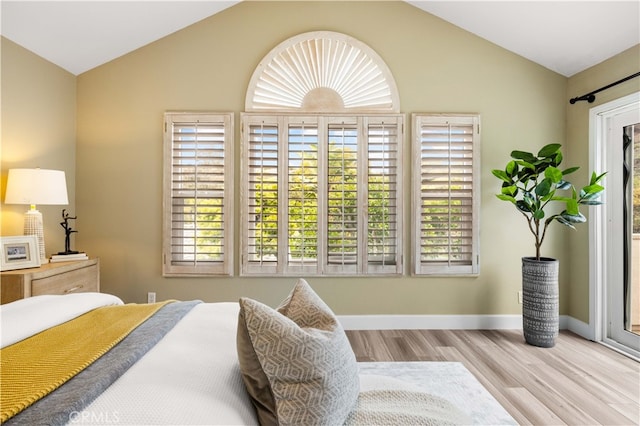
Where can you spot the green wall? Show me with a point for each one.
(207, 66)
(38, 130)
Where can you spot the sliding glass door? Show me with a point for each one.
(623, 289)
(615, 233)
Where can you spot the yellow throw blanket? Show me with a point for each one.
(35, 367)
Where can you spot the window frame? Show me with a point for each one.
(418, 266)
(282, 266)
(224, 267)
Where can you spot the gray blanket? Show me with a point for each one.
(60, 406)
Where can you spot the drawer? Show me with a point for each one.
(76, 281)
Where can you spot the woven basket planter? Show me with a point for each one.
(540, 307)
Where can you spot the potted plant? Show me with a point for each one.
(534, 184)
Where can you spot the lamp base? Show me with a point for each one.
(33, 226)
(69, 252)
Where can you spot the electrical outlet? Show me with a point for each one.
(520, 297)
(151, 297)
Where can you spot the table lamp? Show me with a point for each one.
(36, 186)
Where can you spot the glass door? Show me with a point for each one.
(622, 288)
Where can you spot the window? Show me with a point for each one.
(321, 161)
(322, 194)
(198, 188)
(446, 182)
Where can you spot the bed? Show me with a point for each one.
(176, 363)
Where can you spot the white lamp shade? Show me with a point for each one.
(36, 186)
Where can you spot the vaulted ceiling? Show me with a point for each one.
(564, 36)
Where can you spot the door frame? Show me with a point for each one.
(598, 230)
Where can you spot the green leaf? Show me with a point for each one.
(591, 202)
(593, 196)
(509, 190)
(500, 174)
(527, 165)
(522, 206)
(565, 222)
(505, 197)
(544, 187)
(512, 188)
(523, 155)
(529, 199)
(572, 207)
(549, 150)
(512, 168)
(595, 179)
(570, 170)
(593, 189)
(563, 184)
(573, 218)
(558, 159)
(538, 214)
(563, 199)
(554, 174)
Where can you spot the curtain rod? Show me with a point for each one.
(590, 97)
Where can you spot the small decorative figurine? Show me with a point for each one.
(67, 232)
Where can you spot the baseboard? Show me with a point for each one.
(581, 328)
(430, 322)
(449, 322)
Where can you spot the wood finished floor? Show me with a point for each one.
(577, 382)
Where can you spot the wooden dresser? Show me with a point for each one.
(51, 278)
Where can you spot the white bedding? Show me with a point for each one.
(190, 377)
(26, 317)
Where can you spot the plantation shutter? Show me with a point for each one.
(321, 195)
(302, 196)
(198, 180)
(343, 210)
(446, 190)
(262, 197)
(384, 195)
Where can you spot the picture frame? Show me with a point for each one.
(19, 252)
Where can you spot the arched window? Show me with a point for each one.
(322, 161)
(322, 72)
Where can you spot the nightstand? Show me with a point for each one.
(52, 278)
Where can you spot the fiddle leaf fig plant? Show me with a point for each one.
(534, 183)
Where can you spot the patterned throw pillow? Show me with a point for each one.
(296, 361)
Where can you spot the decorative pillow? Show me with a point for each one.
(296, 361)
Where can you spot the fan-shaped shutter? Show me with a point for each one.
(322, 71)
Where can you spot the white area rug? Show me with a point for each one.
(448, 380)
